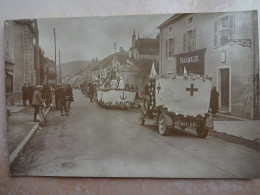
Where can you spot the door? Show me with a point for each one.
(225, 88)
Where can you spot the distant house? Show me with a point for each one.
(145, 52)
(145, 48)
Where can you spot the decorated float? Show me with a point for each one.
(115, 98)
(181, 101)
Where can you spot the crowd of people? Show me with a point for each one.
(45, 95)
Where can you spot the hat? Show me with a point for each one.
(38, 86)
(121, 78)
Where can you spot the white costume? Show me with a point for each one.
(113, 84)
(121, 84)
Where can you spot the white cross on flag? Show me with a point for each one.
(183, 96)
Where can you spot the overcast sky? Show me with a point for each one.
(85, 38)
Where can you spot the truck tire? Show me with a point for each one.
(163, 129)
(202, 131)
(141, 117)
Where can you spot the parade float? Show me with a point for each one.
(181, 101)
(115, 98)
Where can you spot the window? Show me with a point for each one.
(223, 31)
(170, 29)
(170, 47)
(189, 40)
(190, 20)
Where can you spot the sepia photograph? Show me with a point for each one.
(135, 96)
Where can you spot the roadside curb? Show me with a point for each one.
(255, 145)
(14, 155)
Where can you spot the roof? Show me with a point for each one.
(170, 20)
(147, 46)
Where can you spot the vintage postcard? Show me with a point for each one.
(158, 96)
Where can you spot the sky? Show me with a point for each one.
(90, 37)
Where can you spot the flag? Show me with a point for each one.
(153, 71)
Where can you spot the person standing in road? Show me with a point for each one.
(25, 93)
(37, 101)
(62, 93)
(70, 92)
(214, 101)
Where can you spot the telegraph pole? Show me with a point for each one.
(55, 57)
(60, 70)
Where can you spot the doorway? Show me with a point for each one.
(225, 88)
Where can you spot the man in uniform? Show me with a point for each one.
(25, 93)
(62, 93)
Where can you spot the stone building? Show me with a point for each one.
(21, 37)
(9, 61)
(222, 45)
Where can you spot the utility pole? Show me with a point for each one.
(60, 70)
(55, 57)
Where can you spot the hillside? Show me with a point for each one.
(71, 68)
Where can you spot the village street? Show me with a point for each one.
(98, 142)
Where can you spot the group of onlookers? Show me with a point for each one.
(43, 95)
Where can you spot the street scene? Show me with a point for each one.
(134, 96)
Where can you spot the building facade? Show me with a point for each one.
(222, 45)
(24, 36)
(9, 62)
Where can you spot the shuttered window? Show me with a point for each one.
(223, 31)
(189, 40)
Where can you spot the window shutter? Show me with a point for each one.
(193, 39)
(166, 53)
(184, 42)
(216, 34)
(173, 46)
(231, 27)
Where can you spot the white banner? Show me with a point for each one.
(116, 95)
(183, 96)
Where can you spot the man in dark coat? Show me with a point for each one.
(30, 93)
(25, 93)
(214, 101)
(62, 93)
(69, 90)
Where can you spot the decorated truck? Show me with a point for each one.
(115, 98)
(181, 101)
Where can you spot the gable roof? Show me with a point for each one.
(147, 46)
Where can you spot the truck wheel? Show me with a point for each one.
(163, 129)
(141, 117)
(202, 131)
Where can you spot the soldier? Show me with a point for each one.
(62, 93)
(25, 93)
(30, 93)
(57, 88)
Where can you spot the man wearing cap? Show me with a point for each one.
(25, 93)
(37, 101)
